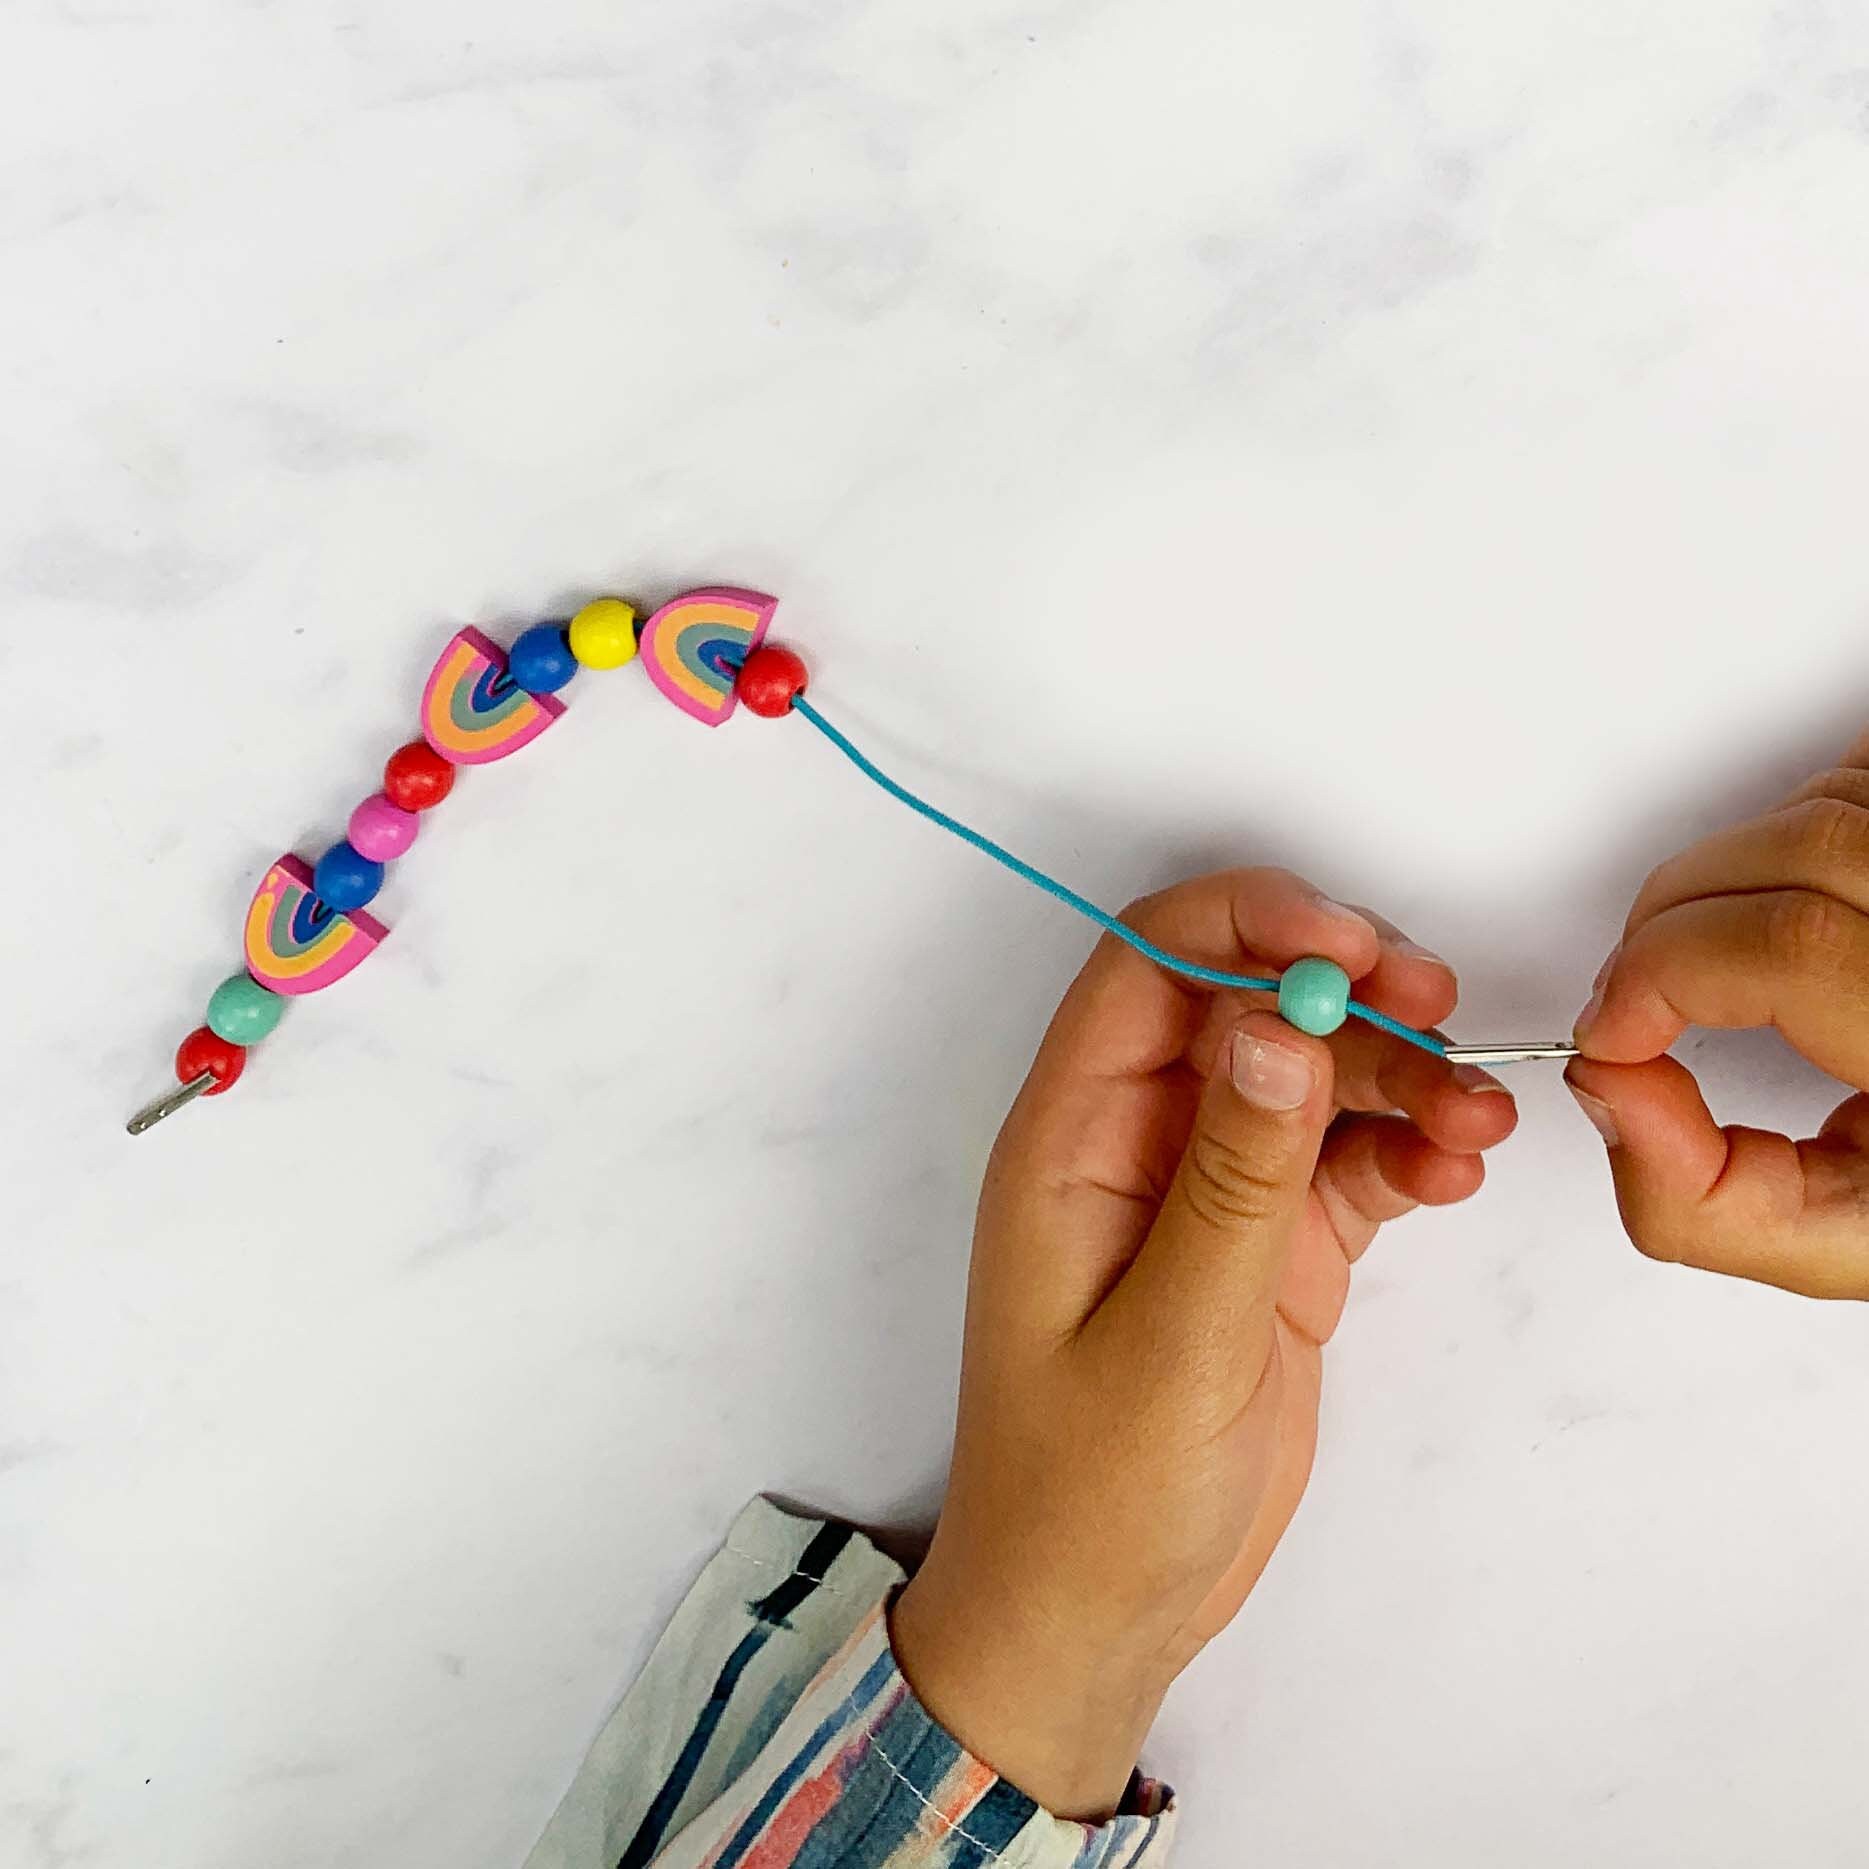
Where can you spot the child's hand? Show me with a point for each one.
(1766, 924)
(1164, 1244)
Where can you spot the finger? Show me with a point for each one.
(1409, 982)
(1208, 1273)
(1373, 1169)
(1857, 754)
(1849, 782)
(1316, 1283)
(1459, 1106)
(1848, 1123)
(1125, 1015)
(1789, 958)
(1820, 843)
(1731, 1200)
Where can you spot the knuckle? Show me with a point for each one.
(1226, 1187)
(1847, 784)
(1255, 888)
(1830, 830)
(1806, 931)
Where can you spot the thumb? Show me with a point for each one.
(1736, 1200)
(1211, 1265)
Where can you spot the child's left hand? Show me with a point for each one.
(1164, 1245)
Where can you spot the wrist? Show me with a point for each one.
(1061, 1720)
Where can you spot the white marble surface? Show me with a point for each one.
(1420, 442)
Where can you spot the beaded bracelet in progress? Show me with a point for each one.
(309, 926)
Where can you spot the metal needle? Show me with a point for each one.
(153, 1113)
(1509, 1054)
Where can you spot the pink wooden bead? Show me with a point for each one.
(380, 830)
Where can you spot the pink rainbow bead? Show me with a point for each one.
(380, 830)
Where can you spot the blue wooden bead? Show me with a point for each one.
(1314, 995)
(345, 878)
(541, 660)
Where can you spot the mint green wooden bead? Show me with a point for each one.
(1314, 995)
(242, 1011)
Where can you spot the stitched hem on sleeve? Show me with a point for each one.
(772, 1727)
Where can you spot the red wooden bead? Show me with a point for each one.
(203, 1050)
(417, 776)
(770, 680)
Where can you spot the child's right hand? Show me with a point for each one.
(1764, 924)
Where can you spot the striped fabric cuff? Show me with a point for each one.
(773, 1730)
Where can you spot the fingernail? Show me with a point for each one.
(1602, 1118)
(1581, 1023)
(1270, 1076)
(1471, 1078)
(1415, 951)
(1597, 989)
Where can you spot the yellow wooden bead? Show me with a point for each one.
(603, 634)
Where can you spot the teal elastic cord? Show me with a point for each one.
(1188, 969)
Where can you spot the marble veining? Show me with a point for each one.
(1419, 443)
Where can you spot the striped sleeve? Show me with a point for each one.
(772, 1729)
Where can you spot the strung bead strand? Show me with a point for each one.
(309, 926)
